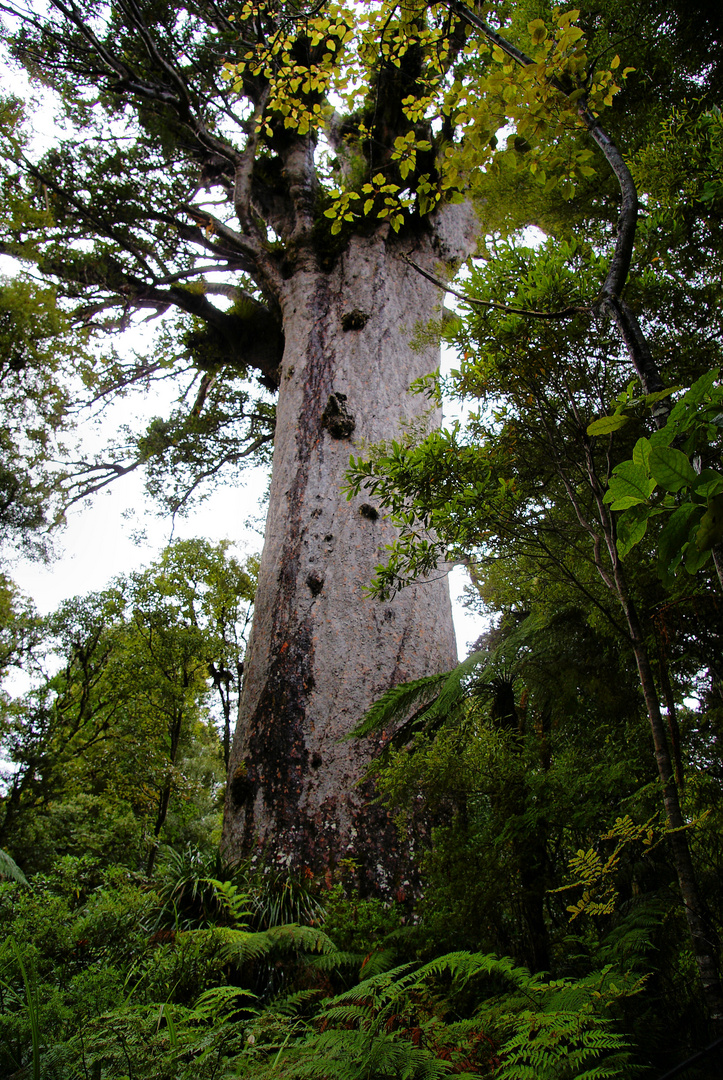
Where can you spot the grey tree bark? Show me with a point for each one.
(321, 651)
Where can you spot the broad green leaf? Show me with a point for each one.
(663, 436)
(671, 468)
(538, 31)
(606, 424)
(711, 525)
(677, 533)
(641, 453)
(625, 502)
(631, 528)
(708, 484)
(660, 395)
(694, 558)
(700, 388)
(629, 484)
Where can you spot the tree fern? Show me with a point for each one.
(358, 1055)
(240, 946)
(629, 943)
(222, 1001)
(395, 1024)
(397, 703)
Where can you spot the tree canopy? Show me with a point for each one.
(128, 688)
(248, 142)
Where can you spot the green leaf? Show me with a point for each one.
(694, 558)
(677, 533)
(10, 869)
(641, 453)
(606, 424)
(660, 395)
(663, 436)
(631, 528)
(629, 484)
(708, 484)
(701, 388)
(711, 526)
(671, 468)
(538, 31)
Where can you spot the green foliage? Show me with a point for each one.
(661, 479)
(404, 106)
(115, 749)
(88, 983)
(520, 492)
(594, 874)
(40, 350)
(438, 698)
(277, 899)
(198, 890)
(501, 772)
(410, 1022)
(10, 869)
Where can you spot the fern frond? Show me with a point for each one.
(238, 945)
(382, 985)
(220, 1001)
(355, 1055)
(349, 1015)
(454, 689)
(10, 869)
(395, 704)
(377, 963)
(304, 938)
(632, 939)
(244, 945)
(331, 961)
(438, 698)
(463, 966)
(293, 1004)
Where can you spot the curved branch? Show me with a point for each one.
(610, 300)
(563, 313)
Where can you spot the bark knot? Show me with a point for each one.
(315, 583)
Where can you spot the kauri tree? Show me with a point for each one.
(258, 173)
(316, 160)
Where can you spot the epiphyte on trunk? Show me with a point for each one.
(354, 320)
(336, 417)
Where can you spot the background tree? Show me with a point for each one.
(214, 593)
(109, 749)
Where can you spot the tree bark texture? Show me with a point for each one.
(321, 651)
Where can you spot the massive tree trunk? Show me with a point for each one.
(321, 651)
(220, 176)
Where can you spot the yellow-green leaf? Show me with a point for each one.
(538, 31)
